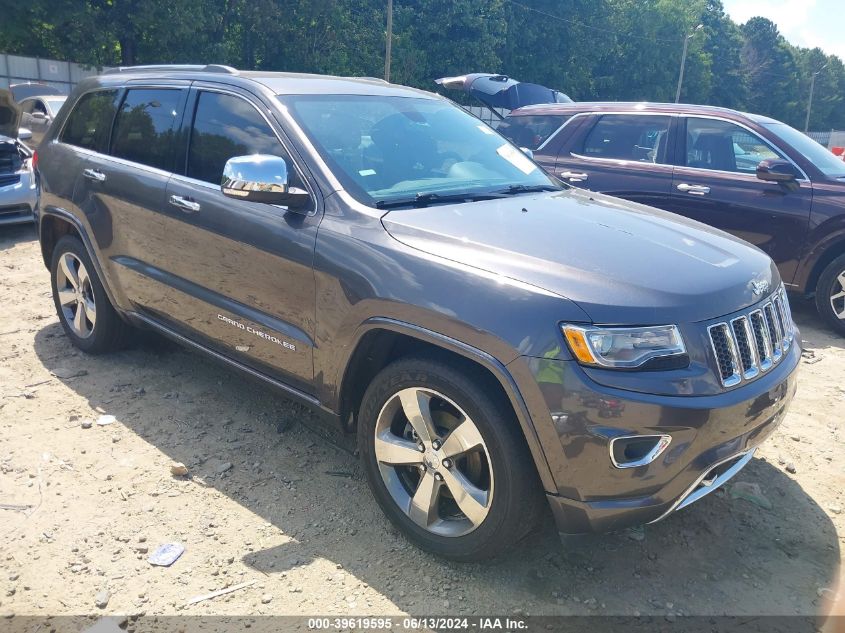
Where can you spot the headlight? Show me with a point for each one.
(623, 347)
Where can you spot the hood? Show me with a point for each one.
(501, 91)
(10, 115)
(622, 263)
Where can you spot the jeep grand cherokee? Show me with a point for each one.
(494, 338)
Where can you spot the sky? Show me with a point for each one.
(807, 23)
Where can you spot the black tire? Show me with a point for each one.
(831, 283)
(109, 332)
(517, 499)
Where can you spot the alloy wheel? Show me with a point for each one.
(837, 297)
(434, 462)
(76, 295)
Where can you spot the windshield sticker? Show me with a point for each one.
(367, 172)
(516, 158)
(485, 128)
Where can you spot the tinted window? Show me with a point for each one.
(640, 138)
(90, 122)
(530, 131)
(724, 146)
(226, 126)
(145, 129)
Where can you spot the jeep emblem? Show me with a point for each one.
(759, 286)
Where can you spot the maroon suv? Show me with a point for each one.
(749, 175)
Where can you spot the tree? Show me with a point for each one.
(722, 47)
(770, 70)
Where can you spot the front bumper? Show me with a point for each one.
(713, 437)
(19, 200)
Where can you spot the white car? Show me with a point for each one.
(18, 176)
(38, 114)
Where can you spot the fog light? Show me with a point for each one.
(631, 451)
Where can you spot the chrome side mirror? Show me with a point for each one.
(24, 134)
(262, 178)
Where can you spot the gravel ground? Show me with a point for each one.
(273, 499)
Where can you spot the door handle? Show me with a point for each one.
(695, 190)
(573, 176)
(188, 206)
(94, 174)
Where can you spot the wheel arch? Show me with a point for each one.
(55, 224)
(831, 252)
(379, 341)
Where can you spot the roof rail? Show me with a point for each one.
(203, 68)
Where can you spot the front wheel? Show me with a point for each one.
(830, 294)
(446, 460)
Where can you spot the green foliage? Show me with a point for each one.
(590, 49)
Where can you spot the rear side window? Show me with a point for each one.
(146, 126)
(630, 137)
(226, 126)
(89, 123)
(530, 131)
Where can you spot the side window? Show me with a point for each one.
(226, 126)
(146, 126)
(724, 146)
(530, 131)
(89, 124)
(633, 137)
(38, 106)
(27, 105)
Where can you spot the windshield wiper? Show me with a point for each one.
(514, 189)
(425, 199)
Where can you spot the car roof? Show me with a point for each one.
(641, 106)
(281, 83)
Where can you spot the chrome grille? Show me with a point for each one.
(752, 343)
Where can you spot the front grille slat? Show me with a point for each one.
(762, 340)
(726, 354)
(775, 335)
(745, 347)
(752, 343)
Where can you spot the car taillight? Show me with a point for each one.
(34, 160)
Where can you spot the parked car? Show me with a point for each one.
(38, 114)
(491, 336)
(747, 174)
(500, 92)
(18, 179)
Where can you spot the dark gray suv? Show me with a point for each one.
(492, 336)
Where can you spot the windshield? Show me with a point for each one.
(824, 160)
(385, 149)
(55, 104)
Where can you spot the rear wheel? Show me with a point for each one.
(830, 294)
(84, 309)
(446, 461)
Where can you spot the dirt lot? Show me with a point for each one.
(271, 500)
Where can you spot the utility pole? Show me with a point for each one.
(810, 101)
(389, 43)
(684, 61)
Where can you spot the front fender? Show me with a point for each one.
(494, 366)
